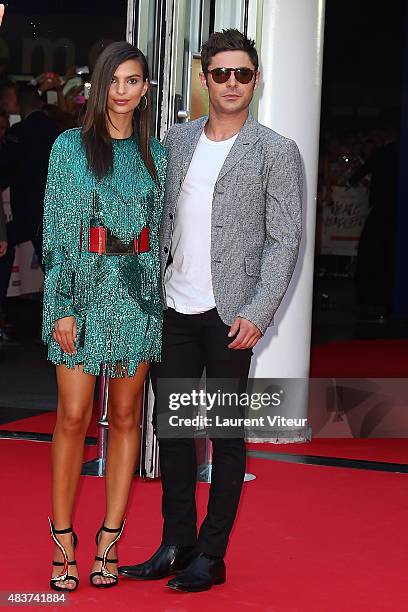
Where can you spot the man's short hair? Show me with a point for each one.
(4, 87)
(28, 97)
(228, 40)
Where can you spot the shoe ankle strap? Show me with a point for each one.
(109, 530)
(61, 563)
(67, 530)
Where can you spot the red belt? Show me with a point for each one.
(100, 242)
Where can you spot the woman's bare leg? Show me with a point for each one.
(124, 413)
(74, 411)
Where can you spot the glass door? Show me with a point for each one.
(170, 33)
(146, 28)
(193, 22)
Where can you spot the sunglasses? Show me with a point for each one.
(222, 75)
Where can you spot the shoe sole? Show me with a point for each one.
(147, 577)
(198, 590)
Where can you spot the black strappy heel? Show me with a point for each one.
(105, 573)
(66, 563)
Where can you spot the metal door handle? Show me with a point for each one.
(182, 114)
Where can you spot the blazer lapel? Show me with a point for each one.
(246, 138)
(192, 138)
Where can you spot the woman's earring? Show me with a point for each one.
(145, 105)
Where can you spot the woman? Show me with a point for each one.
(101, 297)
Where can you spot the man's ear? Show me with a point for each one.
(203, 79)
(257, 79)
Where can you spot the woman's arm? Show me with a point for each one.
(59, 274)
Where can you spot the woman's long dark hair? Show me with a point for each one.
(95, 133)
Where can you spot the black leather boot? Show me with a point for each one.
(202, 573)
(167, 560)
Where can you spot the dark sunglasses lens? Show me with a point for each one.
(244, 75)
(220, 75)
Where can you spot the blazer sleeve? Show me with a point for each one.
(283, 225)
(59, 273)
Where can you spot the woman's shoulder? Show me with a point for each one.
(158, 150)
(68, 141)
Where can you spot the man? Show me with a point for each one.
(374, 278)
(23, 167)
(229, 242)
(8, 98)
(3, 251)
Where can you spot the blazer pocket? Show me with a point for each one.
(252, 266)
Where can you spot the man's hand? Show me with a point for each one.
(248, 334)
(3, 247)
(1, 13)
(65, 332)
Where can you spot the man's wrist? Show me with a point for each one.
(249, 321)
(253, 320)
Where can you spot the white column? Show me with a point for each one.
(291, 64)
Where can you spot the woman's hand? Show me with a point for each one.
(65, 332)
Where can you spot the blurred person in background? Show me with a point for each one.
(375, 260)
(63, 119)
(24, 159)
(23, 167)
(65, 93)
(4, 126)
(3, 251)
(8, 98)
(3, 234)
(3, 231)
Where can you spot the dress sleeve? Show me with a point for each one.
(160, 159)
(58, 281)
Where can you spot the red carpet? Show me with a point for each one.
(360, 359)
(370, 449)
(389, 450)
(44, 423)
(307, 538)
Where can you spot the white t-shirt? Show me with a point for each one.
(188, 280)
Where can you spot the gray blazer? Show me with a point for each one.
(256, 218)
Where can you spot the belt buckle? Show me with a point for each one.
(101, 240)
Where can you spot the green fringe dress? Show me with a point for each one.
(114, 298)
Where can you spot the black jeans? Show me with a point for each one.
(190, 344)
